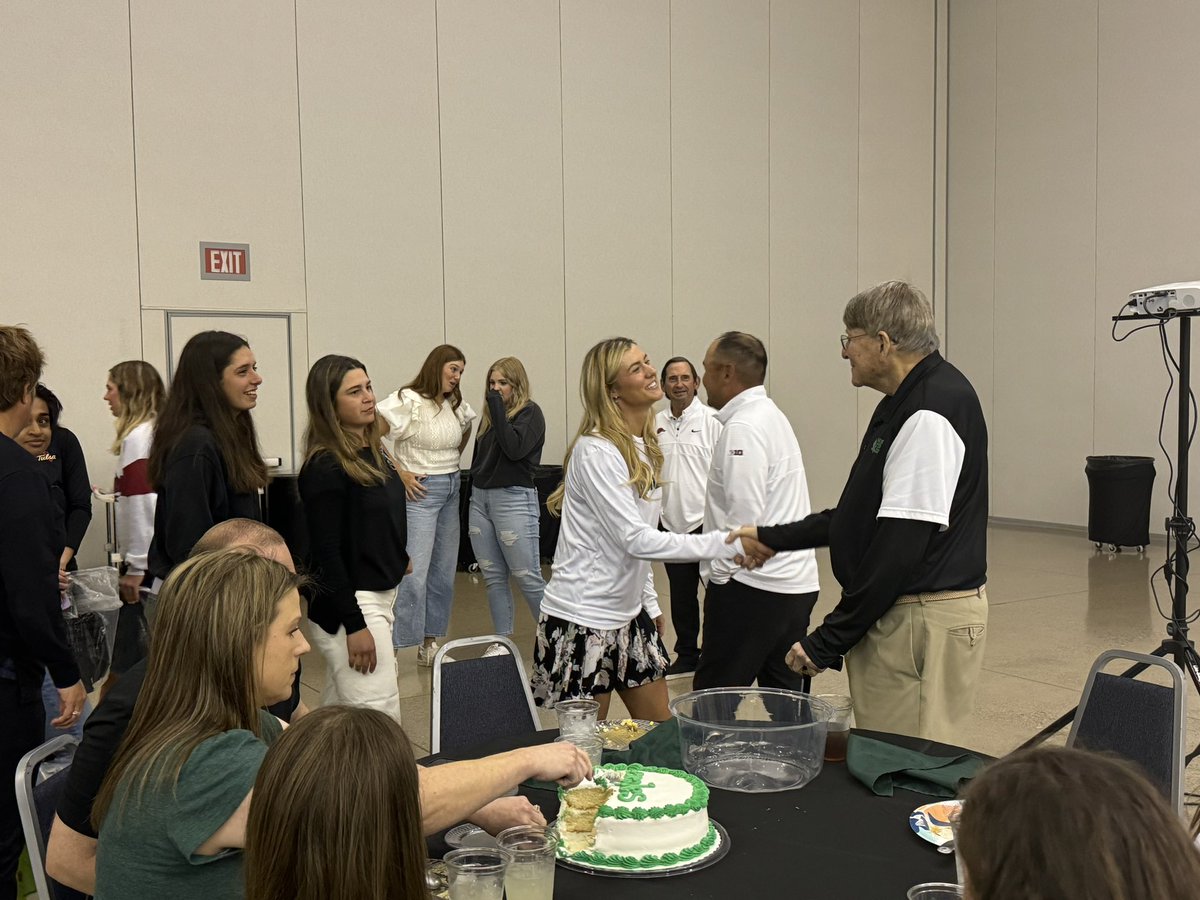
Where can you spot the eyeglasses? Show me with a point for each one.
(846, 339)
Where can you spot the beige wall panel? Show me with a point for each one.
(720, 80)
(895, 148)
(616, 82)
(68, 234)
(372, 182)
(1045, 258)
(971, 193)
(1149, 144)
(501, 127)
(895, 198)
(217, 150)
(814, 229)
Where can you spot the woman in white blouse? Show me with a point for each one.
(600, 627)
(430, 425)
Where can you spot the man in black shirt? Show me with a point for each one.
(908, 538)
(32, 635)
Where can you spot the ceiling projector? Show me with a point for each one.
(1155, 301)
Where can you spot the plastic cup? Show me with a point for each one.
(577, 717)
(838, 735)
(589, 744)
(935, 890)
(476, 873)
(530, 875)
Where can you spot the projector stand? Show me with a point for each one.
(1180, 528)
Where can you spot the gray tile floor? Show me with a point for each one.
(1056, 603)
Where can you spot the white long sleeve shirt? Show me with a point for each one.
(601, 576)
(757, 478)
(135, 507)
(687, 444)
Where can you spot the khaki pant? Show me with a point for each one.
(915, 671)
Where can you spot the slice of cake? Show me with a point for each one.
(577, 816)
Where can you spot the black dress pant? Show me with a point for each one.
(747, 634)
(22, 727)
(684, 579)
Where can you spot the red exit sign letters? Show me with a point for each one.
(224, 262)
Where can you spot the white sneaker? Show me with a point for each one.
(496, 649)
(425, 654)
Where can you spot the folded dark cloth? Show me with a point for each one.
(883, 767)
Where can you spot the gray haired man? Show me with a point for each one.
(908, 538)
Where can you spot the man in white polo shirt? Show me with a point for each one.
(687, 431)
(753, 617)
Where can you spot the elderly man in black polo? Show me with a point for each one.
(908, 538)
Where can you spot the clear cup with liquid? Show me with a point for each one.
(477, 873)
(530, 873)
(578, 716)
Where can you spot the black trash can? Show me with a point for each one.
(1119, 489)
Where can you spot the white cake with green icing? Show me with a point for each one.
(655, 818)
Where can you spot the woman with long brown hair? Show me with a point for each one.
(134, 393)
(503, 520)
(205, 463)
(1054, 823)
(430, 425)
(174, 802)
(600, 628)
(336, 812)
(355, 508)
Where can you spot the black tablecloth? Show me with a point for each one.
(831, 840)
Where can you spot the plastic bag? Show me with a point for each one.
(91, 620)
(95, 590)
(88, 635)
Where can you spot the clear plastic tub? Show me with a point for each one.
(753, 740)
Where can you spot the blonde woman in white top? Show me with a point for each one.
(134, 393)
(600, 628)
(430, 425)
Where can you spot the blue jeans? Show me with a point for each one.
(50, 702)
(423, 601)
(504, 535)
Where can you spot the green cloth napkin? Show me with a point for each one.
(659, 747)
(883, 767)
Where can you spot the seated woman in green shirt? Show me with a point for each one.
(172, 811)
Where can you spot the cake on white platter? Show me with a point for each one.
(637, 818)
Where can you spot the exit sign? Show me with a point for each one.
(224, 262)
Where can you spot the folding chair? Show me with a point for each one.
(479, 700)
(37, 803)
(1138, 720)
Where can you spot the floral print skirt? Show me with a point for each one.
(571, 660)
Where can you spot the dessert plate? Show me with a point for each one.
(931, 822)
(618, 734)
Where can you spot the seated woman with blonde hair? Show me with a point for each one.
(336, 812)
(172, 808)
(1055, 823)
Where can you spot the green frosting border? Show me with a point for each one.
(650, 861)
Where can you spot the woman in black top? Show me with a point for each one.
(204, 461)
(60, 459)
(357, 522)
(504, 506)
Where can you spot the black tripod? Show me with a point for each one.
(1180, 529)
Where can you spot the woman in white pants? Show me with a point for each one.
(357, 524)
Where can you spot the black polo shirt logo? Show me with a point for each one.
(877, 445)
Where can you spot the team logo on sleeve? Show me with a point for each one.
(735, 452)
(877, 445)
